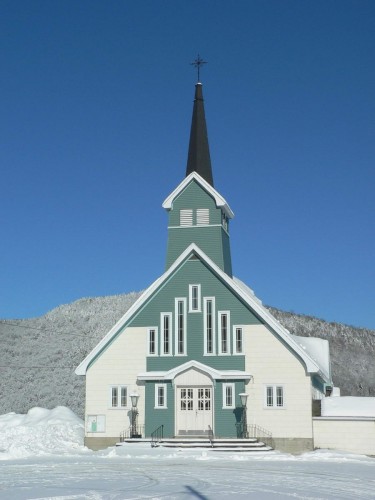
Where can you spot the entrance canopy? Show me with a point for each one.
(208, 370)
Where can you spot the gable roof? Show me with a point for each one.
(219, 200)
(254, 304)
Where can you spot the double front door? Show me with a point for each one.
(194, 410)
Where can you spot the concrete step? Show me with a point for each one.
(218, 444)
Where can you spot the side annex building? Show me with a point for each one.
(198, 337)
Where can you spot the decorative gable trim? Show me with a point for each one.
(219, 200)
(241, 291)
(208, 370)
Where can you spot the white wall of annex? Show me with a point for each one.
(270, 362)
(119, 364)
(353, 435)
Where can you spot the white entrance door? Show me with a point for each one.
(194, 411)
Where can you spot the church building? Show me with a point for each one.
(198, 348)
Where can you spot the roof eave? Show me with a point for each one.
(219, 200)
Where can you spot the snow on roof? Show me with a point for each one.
(318, 350)
(348, 406)
(219, 200)
(247, 289)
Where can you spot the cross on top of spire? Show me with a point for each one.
(198, 63)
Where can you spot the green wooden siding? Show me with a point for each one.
(194, 272)
(212, 239)
(226, 419)
(154, 417)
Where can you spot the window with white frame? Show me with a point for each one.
(237, 339)
(166, 334)
(228, 396)
(160, 396)
(194, 298)
(180, 326)
(186, 217)
(274, 397)
(152, 341)
(224, 342)
(118, 396)
(209, 325)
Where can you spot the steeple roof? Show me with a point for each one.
(199, 153)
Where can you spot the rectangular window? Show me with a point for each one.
(269, 396)
(203, 216)
(114, 403)
(209, 325)
(279, 396)
(194, 298)
(180, 326)
(152, 341)
(166, 329)
(224, 332)
(275, 396)
(186, 217)
(228, 396)
(118, 396)
(237, 340)
(160, 396)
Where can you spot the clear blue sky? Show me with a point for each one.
(96, 102)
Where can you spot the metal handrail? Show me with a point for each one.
(157, 435)
(129, 434)
(211, 435)
(256, 431)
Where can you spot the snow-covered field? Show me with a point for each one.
(42, 457)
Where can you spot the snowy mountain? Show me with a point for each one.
(39, 355)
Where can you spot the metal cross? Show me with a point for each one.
(198, 63)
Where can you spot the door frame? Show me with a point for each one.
(206, 385)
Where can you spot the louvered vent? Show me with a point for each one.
(203, 217)
(186, 217)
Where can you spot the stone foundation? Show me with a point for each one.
(293, 445)
(100, 443)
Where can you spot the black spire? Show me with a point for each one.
(199, 153)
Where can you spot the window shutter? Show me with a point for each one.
(186, 217)
(203, 216)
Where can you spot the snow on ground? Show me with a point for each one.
(42, 457)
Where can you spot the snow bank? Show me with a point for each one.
(348, 406)
(40, 432)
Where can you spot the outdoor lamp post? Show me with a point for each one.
(134, 399)
(243, 397)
